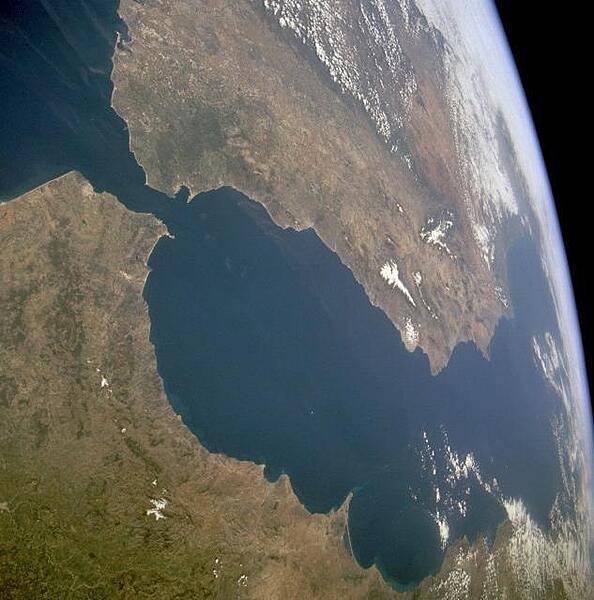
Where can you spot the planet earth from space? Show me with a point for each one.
(284, 308)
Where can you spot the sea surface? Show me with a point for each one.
(268, 347)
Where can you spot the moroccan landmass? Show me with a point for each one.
(104, 493)
(219, 93)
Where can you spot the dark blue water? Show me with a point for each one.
(271, 351)
(268, 347)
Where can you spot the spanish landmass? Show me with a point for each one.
(219, 93)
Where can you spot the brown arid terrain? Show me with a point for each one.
(217, 93)
(104, 492)
(91, 453)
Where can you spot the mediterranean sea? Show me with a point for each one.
(271, 352)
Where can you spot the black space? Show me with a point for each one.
(547, 43)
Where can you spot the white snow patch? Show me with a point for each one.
(104, 383)
(418, 280)
(389, 272)
(434, 232)
(218, 566)
(159, 505)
